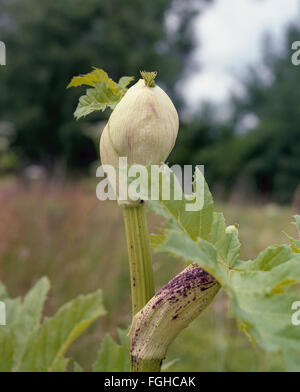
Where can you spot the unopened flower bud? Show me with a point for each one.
(232, 229)
(143, 127)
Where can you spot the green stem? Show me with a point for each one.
(140, 263)
(150, 365)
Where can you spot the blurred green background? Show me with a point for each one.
(51, 222)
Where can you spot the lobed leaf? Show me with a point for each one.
(258, 299)
(27, 317)
(46, 352)
(22, 323)
(98, 98)
(125, 81)
(112, 356)
(194, 223)
(105, 93)
(90, 79)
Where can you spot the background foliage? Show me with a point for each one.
(49, 42)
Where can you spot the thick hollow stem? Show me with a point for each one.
(140, 263)
(151, 365)
(171, 310)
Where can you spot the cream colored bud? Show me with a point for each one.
(232, 229)
(143, 127)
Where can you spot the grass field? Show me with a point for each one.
(62, 231)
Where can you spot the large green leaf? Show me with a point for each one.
(27, 318)
(113, 357)
(175, 208)
(22, 323)
(26, 345)
(226, 244)
(58, 332)
(256, 288)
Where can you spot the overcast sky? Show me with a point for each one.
(230, 36)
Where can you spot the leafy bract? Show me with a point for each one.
(256, 288)
(104, 92)
(28, 345)
(97, 75)
(113, 357)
